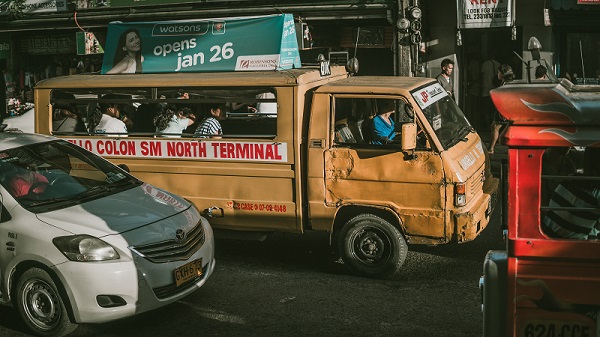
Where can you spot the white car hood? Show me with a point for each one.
(124, 211)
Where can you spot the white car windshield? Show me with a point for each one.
(57, 174)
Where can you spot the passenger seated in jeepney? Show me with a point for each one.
(171, 121)
(582, 198)
(65, 117)
(106, 119)
(209, 124)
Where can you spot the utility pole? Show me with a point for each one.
(408, 36)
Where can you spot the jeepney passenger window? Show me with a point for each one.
(244, 112)
(570, 200)
(80, 111)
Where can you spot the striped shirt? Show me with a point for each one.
(209, 127)
(574, 224)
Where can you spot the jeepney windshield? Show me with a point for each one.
(445, 117)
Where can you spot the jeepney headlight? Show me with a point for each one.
(85, 248)
(460, 194)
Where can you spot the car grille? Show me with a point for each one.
(172, 290)
(171, 250)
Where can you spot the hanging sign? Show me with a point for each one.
(227, 44)
(485, 13)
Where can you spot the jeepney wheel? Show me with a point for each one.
(371, 246)
(40, 305)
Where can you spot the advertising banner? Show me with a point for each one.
(485, 14)
(227, 44)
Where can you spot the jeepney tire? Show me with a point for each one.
(371, 246)
(40, 304)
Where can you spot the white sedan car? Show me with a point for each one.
(86, 242)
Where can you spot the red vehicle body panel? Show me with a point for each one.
(553, 285)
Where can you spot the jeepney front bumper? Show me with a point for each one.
(469, 224)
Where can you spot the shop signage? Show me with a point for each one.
(45, 45)
(588, 2)
(88, 44)
(485, 13)
(32, 6)
(227, 44)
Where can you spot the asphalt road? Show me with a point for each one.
(293, 285)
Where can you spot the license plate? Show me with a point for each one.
(558, 329)
(188, 272)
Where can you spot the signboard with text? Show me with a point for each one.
(485, 13)
(185, 149)
(224, 44)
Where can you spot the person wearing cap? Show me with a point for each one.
(209, 125)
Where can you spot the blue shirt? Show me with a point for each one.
(381, 130)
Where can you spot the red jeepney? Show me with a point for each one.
(547, 281)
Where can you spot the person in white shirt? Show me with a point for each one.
(109, 122)
(171, 122)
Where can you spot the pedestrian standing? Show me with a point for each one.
(489, 70)
(505, 74)
(445, 77)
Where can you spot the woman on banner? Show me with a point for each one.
(128, 55)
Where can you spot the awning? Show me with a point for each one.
(101, 18)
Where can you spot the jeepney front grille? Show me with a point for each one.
(476, 183)
(171, 250)
(172, 289)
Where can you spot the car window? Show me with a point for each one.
(58, 174)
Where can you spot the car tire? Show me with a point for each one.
(40, 304)
(372, 247)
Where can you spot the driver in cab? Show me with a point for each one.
(25, 180)
(383, 128)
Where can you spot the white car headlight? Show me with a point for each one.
(85, 248)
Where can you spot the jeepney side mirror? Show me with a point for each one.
(409, 136)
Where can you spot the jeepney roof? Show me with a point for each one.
(289, 77)
(375, 84)
(549, 114)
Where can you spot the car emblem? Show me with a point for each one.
(179, 235)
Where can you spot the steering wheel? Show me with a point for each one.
(36, 185)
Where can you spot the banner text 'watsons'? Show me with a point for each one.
(188, 149)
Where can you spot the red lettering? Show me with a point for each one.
(145, 149)
(269, 154)
(242, 151)
(259, 151)
(201, 149)
(230, 150)
(215, 149)
(277, 155)
(155, 149)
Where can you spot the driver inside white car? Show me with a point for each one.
(25, 181)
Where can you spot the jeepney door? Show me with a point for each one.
(357, 172)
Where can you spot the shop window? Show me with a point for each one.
(570, 200)
(582, 64)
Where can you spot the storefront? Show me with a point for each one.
(43, 40)
(577, 37)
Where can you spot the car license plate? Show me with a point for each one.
(558, 328)
(188, 272)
